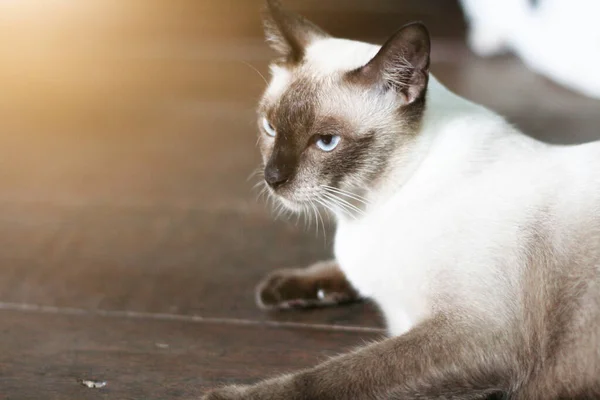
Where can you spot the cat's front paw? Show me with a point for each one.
(322, 284)
(227, 393)
(285, 289)
(288, 387)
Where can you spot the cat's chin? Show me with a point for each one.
(293, 206)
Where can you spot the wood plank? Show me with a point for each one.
(46, 355)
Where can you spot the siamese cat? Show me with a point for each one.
(480, 245)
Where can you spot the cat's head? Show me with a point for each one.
(337, 112)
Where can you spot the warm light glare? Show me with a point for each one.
(88, 59)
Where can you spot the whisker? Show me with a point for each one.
(349, 196)
(343, 191)
(356, 196)
(261, 194)
(344, 202)
(298, 218)
(318, 212)
(259, 183)
(307, 217)
(256, 70)
(334, 201)
(346, 193)
(324, 204)
(281, 210)
(312, 206)
(349, 204)
(257, 171)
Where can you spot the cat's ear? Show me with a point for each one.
(402, 63)
(287, 33)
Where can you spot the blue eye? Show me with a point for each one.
(268, 128)
(327, 142)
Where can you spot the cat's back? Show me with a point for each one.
(578, 185)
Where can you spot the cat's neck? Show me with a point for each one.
(452, 131)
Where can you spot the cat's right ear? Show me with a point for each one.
(402, 63)
(289, 34)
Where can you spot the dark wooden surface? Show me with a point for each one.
(141, 357)
(130, 237)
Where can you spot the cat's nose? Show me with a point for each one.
(275, 177)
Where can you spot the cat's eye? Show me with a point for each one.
(327, 142)
(268, 127)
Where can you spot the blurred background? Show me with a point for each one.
(130, 237)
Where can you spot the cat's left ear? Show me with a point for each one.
(402, 63)
(288, 33)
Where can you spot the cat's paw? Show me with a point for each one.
(226, 393)
(304, 288)
(286, 289)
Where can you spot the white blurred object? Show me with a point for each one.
(557, 38)
(93, 384)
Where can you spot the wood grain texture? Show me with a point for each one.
(46, 355)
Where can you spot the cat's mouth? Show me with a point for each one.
(291, 205)
(325, 197)
(289, 201)
(293, 199)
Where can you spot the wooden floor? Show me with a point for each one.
(130, 237)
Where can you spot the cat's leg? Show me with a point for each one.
(321, 284)
(442, 358)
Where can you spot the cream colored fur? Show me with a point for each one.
(446, 226)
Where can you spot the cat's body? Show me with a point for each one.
(480, 245)
(460, 229)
